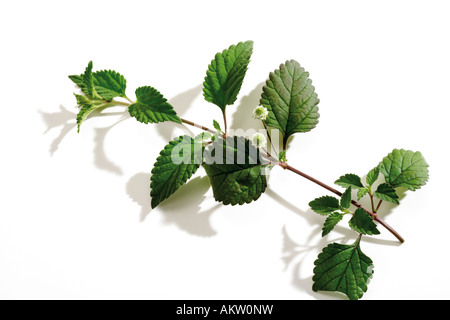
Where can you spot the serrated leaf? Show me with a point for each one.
(226, 73)
(346, 198)
(372, 176)
(361, 193)
(387, 193)
(177, 162)
(331, 221)
(203, 136)
(343, 268)
(235, 170)
(363, 223)
(88, 82)
(324, 205)
(405, 168)
(349, 180)
(290, 99)
(152, 107)
(84, 112)
(109, 84)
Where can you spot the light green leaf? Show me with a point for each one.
(177, 162)
(372, 176)
(290, 99)
(331, 221)
(405, 168)
(216, 126)
(109, 84)
(324, 205)
(349, 180)
(235, 170)
(226, 73)
(84, 112)
(387, 193)
(152, 107)
(343, 268)
(363, 223)
(361, 193)
(346, 198)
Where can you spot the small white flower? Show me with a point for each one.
(260, 113)
(259, 140)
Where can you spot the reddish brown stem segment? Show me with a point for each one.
(337, 192)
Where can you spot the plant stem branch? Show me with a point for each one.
(197, 126)
(338, 193)
(269, 137)
(225, 123)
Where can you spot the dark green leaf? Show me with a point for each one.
(405, 168)
(331, 221)
(84, 112)
(346, 198)
(152, 107)
(290, 99)
(372, 176)
(343, 268)
(235, 170)
(177, 162)
(349, 180)
(109, 84)
(324, 205)
(363, 223)
(387, 193)
(226, 73)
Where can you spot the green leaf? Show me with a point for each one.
(387, 193)
(109, 84)
(331, 221)
(405, 168)
(290, 99)
(216, 126)
(349, 180)
(372, 176)
(203, 136)
(363, 223)
(88, 82)
(84, 112)
(235, 170)
(152, 107)
(343, 268)
(361, 193)
(81, 100)
(324, 205)
(226, 73)
(346, 198)
(177, 162)
(282, 156)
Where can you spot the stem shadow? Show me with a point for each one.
(182, 209)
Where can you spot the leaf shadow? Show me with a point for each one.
(293, 253)
(242, 117)
(63, 119)
(181, 103)
(182, 209)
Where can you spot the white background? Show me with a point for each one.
(75, 217)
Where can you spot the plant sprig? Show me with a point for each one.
(237, 165)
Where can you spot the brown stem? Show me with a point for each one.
(225, 123)
(197, 125)
(356, 204)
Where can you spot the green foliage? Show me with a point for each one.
(405, 168)
(177, 162)
(343, 268)
(346, 198)
(152, 107)
(290, 98)
(331, 221)
(387, 193)
(372, 176)
(226, 73)
(349, 180)
(235, 171)
(324, 205)
(363, 223)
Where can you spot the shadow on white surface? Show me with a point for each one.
(64, 119)
(182, 209)
(242, 116)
